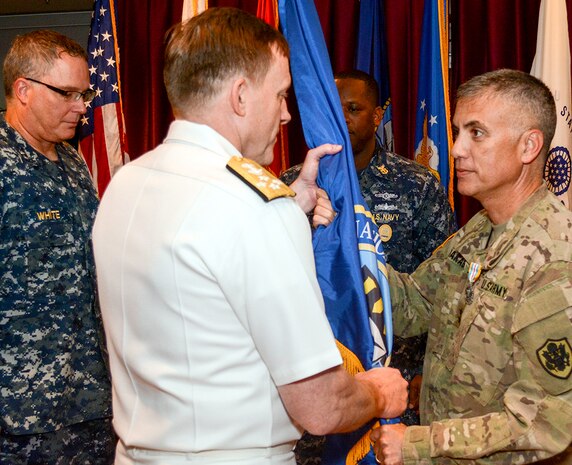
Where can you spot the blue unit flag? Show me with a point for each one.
(349, 255)
(433, 136)
(371, 58)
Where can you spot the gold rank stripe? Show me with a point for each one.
(262, 181)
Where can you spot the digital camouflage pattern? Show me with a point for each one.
(88, 443)
(52, 372)
(409, 206)
(497, 385)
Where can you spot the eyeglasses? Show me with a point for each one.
(73, 95)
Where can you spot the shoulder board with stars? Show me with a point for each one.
(262, 181)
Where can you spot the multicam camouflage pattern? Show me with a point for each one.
(51, 367)
(497, 377)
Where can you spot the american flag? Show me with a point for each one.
(101, 129)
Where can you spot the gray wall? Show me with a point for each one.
(74, 24)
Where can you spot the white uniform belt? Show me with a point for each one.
(136, 452)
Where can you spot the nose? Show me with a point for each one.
(457, 151)
(285, 116)
(80, 107)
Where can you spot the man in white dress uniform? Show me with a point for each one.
(219, 346)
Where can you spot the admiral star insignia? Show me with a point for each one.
(262, 181)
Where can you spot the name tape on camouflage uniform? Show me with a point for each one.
(473, 275)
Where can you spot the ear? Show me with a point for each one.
(532, 141)
(20, 89)
(377, 116)
(238, 96)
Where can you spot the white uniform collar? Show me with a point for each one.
(201, 135)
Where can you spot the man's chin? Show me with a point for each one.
(268, 156)
(466, 189)
(65, 135)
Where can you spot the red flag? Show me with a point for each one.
(268, 11)
(101, 130)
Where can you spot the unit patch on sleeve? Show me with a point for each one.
(262, 181)
(555, 357)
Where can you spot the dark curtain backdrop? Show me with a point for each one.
(485, 35)
(488, 35)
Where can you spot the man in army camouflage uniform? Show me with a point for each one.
(496, 299)
(55, 400)
(409, 206)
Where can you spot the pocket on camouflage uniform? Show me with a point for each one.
(49, 261)
(486, 352)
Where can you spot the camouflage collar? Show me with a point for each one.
(23, 153)
(379, 157)
(479, 228)
(27, 153)
(504, 241)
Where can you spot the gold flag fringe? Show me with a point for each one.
(361, 448)
(352, 364)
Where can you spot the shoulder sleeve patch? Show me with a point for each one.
(555, 356)
(262, 181)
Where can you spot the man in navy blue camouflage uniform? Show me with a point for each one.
(55, 399)
(409, 206)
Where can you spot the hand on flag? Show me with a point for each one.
(389, 389)
(305, 185)
(324, 213)
(388, 441)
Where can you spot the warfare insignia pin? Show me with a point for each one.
(555, 357)
(385, 232)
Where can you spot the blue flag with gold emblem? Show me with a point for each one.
(349, 256)
(433, 136)
(371, 58)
